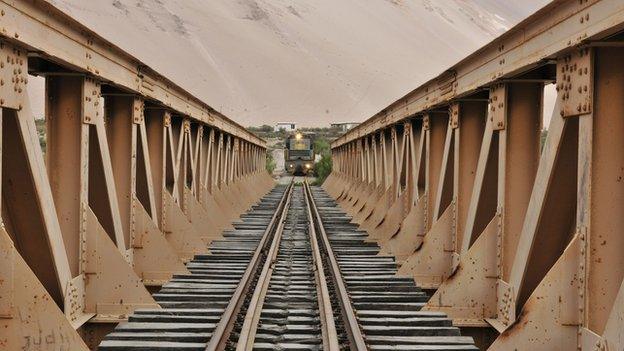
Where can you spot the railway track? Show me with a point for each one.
(294, 274)
(193, 305)
(387, 307)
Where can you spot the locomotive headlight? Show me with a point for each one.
(308, 166)
(290, 165)
(298, 136)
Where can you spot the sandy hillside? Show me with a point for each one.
(262, 61)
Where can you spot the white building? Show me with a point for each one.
(344, 126)
(285, 126)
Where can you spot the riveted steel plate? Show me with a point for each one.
(575, 83)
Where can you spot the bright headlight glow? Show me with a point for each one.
(308, 165)
(290, 165)
(298, 136)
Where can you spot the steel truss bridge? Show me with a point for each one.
(449, 222)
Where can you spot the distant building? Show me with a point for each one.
(344, 126)
(285, 126)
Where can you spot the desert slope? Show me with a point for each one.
(262, 61)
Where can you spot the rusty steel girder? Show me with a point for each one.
(513, 237)
(131, 184)
(516, 233)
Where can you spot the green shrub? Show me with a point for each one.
(270, 162)
(321, 146)
(41, 131)
(323, 168)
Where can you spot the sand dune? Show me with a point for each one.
(262, 61)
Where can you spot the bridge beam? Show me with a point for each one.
(513, 236)
(34, 265)
(92, 219)
(153, 258)
(103, 287)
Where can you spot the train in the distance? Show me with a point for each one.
(299, 154)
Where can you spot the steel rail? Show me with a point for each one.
(222, 332)
(247, 334)
(352, 326)
(328, 327)
(326, 312)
